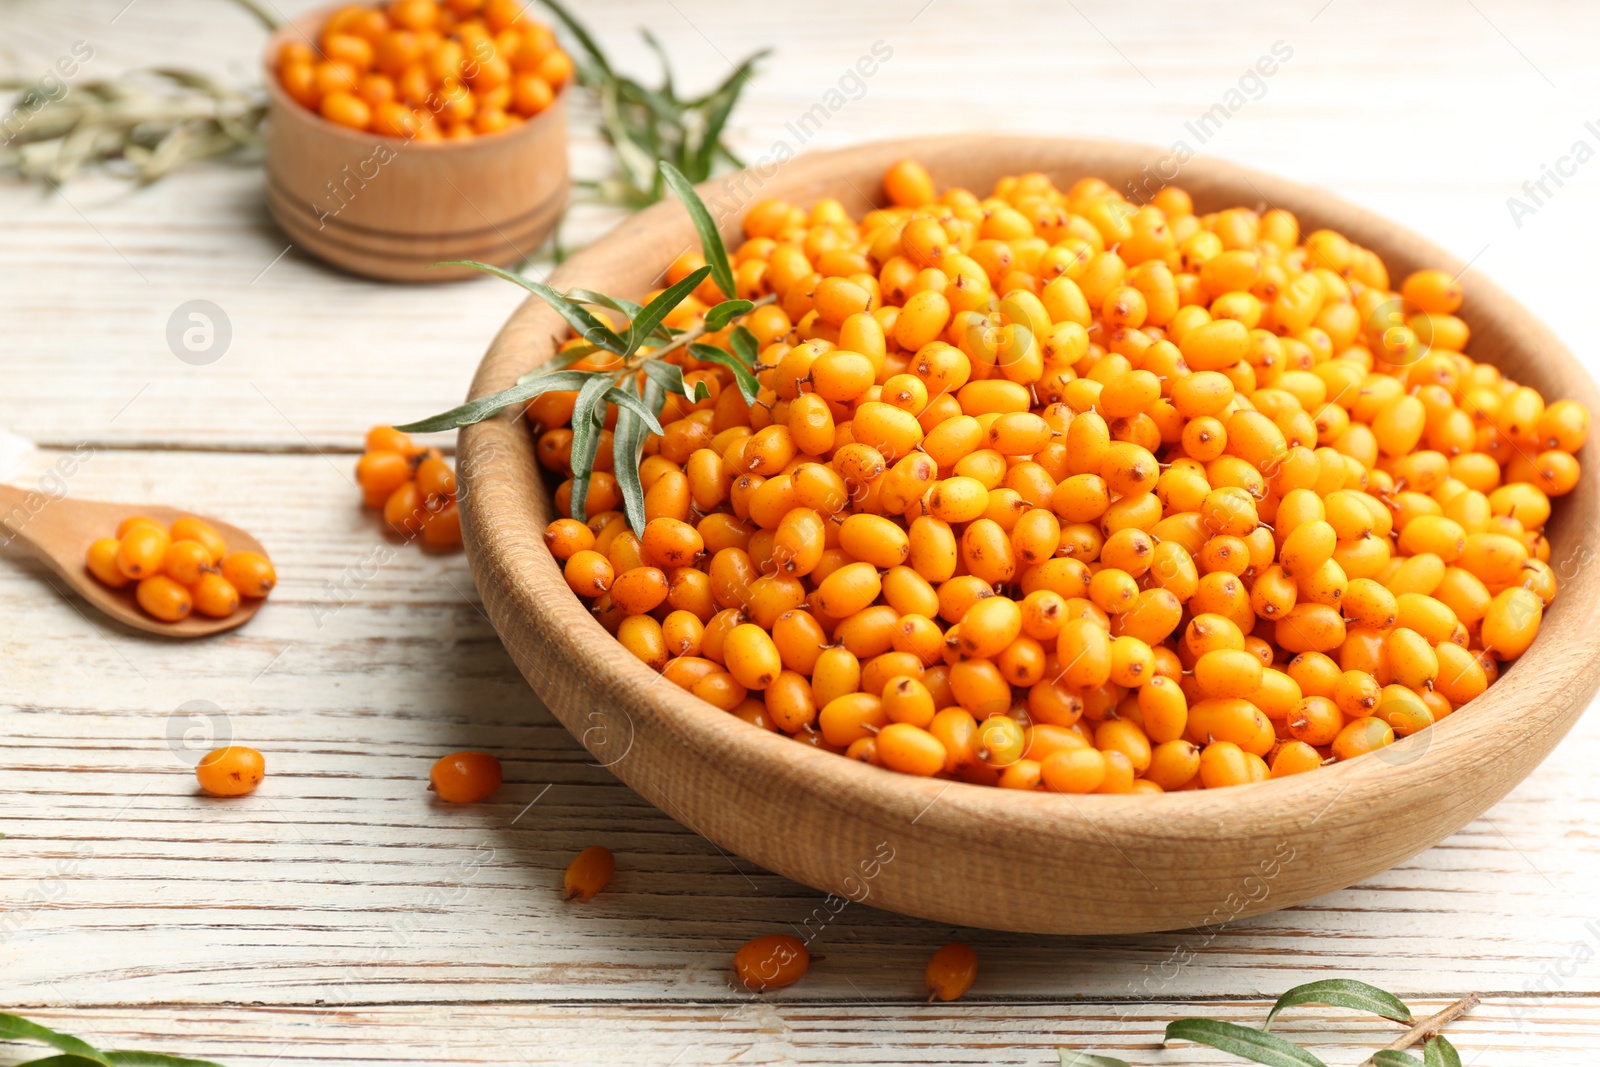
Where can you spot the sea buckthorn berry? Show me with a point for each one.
(951, 972)
(1361, 736)
(1073, 770)
(169, 601)
(566, 537)
(1512, 621)
(102, 562)
(233, 771)
(249, 572)
(465, 777)
(588, 573)
(142, 551)
(771, 962)
(1012, 445)
(215, 596)
(186, 561)
(589, 872)
(191, 528)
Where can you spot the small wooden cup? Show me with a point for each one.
(390, 208)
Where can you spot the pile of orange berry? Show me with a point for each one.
(427, 71)
(1052, 490)
(413, 485)
(179, 569)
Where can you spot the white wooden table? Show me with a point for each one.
(340, 916)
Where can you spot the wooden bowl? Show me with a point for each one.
(389, 208)
(978, 856)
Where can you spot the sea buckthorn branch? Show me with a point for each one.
(639, 350)
(1261, 1046)
(76, 1052)
(645, 125)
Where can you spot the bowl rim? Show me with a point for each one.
(303, 25)
(516, 577)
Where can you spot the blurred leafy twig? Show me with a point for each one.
(646, 126)
(153, 121)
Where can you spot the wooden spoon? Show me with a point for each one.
(60, 530)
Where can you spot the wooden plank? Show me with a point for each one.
(783, 1028)
(341, 880)
(92, 276)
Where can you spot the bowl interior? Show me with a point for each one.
(1133, 863)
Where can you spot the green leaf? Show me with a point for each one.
(127, 1058)
(1245, 1041)
(722, 101)
(615, 303)
(1439, 1052)
(670, 377)
(624, 399)
(1390, 1057)
(627, 445)
(474, 411)
(1069, 1058)
(564, 358)
(726, 312)
(711, 246)
(1343, 993)
(745, 346)
(667, 89)
(650, 316)
(16, 1028)
(588, 412)
(748, 386)
(579, 318)
(580, 34)
(63, 1060)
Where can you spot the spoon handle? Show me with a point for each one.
(47, 523)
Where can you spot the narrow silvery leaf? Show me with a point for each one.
(588, 412)
(579, 318)
(725, 312)
(650, 316)
(745, 346)
(711, 246)
(1069, 1058)
(1390, 1057)
(16, 1028)
(485, 406)
(1246, 1041)
(1343, 993)
(1439, 1052)
(748, 386)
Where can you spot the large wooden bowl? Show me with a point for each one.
(987, 857)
